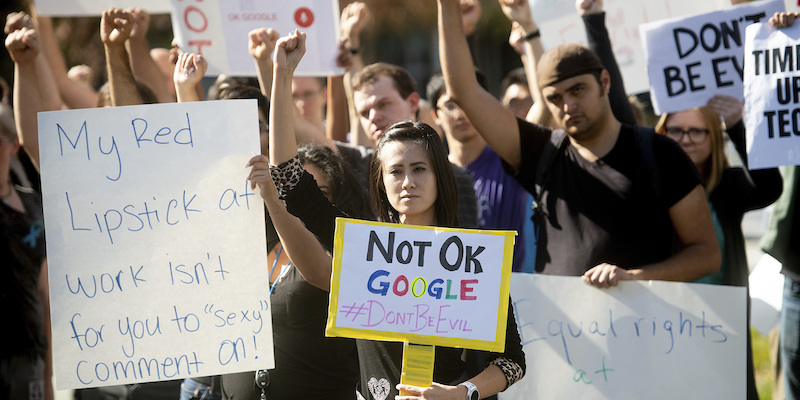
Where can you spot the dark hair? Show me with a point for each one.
(401, 79)
(146, 94)
(436, 87)
(516, 76)
(346, 192)
(244, 92)
(228, 80)
(446, 204)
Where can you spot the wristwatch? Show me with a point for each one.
(472, 391)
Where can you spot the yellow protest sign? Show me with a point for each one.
(423, 285)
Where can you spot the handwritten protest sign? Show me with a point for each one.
(772, 95)
(689, 60)
(559, 22)
(155, 242)
(76, 8)
(219, 30)
(653, 340)
(423, 285)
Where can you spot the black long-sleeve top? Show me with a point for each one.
(740, 191)
(309, 204)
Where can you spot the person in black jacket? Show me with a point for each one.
(731, 191)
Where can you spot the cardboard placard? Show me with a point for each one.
(689, 60)
(156, 244)
(772, 95)
(219, 31)
(82, 8)
(641, 339)
(559, 22)
(422, 285)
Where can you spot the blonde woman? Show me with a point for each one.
(731, 191)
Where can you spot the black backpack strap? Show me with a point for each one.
(549, 153)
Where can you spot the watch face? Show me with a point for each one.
(472, 391)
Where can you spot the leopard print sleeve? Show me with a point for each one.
(511, 370)
(286, 175)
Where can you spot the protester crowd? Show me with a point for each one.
(559, 157)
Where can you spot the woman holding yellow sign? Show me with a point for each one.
(411, 183)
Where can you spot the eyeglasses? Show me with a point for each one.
(696, 135)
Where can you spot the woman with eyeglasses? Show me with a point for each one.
(731, 191)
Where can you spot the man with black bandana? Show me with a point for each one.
(610, 211)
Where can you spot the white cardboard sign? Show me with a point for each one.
(156, 244)
(218, 30)
(772, 95)
(641, 339)
(420, 284)
(560, 23)
(80, 8)
(689, 60)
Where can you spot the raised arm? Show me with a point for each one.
(767, 183)
(497, 125)
(261, 43)
(73, 94)
(289, 51)
(471, 11)
(306, 253)
(337, 116)
(353, 20)
(303, 247)
(189, 70)
(51, 99)
(115, 28)
(143, 66)
(23, 47)
(339, 113)
(526, 41)
(594, 19)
